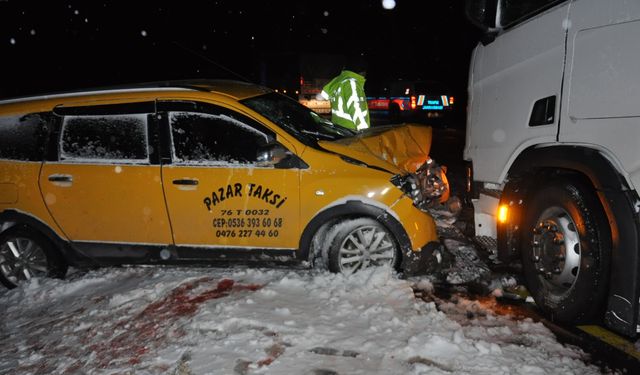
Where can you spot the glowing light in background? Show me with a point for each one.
(388, 4)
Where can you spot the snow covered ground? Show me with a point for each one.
(152, 320)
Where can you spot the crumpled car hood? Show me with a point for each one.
(400, 149)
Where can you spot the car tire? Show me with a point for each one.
(36, 257)
(319, 246)
(362, 243)
(566, 251)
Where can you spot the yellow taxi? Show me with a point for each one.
(206, 171)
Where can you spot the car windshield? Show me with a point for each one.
(298, 120)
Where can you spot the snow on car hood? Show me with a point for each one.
(396, 149)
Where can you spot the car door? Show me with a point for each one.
(218, 193)
(103, 184)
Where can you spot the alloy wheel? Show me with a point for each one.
(556, 249)
(364, 247)
(22, 259)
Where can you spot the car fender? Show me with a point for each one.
(12, 217)
(353, 206)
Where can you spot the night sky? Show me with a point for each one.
(60, 45)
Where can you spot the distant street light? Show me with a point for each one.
(388, 4)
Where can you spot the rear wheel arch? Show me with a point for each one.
(11, 218)
(26, 252)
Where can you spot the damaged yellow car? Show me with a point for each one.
(207, 171)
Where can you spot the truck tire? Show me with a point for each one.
(362, 243)
(24, 254)
(566, 251)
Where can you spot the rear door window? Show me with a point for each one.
(105, 138)
(23, 137)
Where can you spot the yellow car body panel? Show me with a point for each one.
(420, 227)
(19, 191)
(107, 203)
(399, 149)
(232, 207)
(330, 181)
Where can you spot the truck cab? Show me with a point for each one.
(554, 166)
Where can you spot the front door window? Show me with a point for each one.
(214, 139)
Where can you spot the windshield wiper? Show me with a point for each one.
(317, 134)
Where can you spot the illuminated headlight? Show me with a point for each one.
(425, 186)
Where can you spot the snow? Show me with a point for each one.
(242, 320)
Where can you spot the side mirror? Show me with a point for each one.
(482, 14)
(272, 154)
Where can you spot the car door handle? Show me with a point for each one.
(63, 180)
(186, 181)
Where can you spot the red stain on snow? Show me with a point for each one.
(273, 352)
(265, 362)
(134, 337)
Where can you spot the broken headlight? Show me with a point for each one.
(426, 186)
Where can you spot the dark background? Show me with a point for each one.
(54, 46)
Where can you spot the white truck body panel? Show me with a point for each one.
(585, 54)
(603, 82)
(596, 79)
(506, 82)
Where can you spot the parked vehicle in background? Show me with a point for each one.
(552, 135)
(413, 101)
(310, 97)
(316, 70)
(202, 171)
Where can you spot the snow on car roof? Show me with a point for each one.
(237, 89)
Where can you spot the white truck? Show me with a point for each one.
(553, 145)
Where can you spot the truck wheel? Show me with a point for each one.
(25, 254)
(566, 251)
(362, 243)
